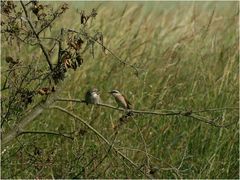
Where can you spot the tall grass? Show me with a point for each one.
(187, 55)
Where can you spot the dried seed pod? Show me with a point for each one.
(59, 72)
(79, 59)
(68, 63)
(44, 91)
(74, 65)
(79, 44)
(53, 89)
(35, 10)
(26, 96)
(94, 13)
(84, 18)
(11, 60)
(64, 7)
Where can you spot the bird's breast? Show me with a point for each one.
(121, 101)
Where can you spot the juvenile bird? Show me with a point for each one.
(92, 96)
(121, 99)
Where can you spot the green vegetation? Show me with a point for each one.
(187, 54)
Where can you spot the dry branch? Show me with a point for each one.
(36, 34)
(189, 113)
(46, 133)
(38, 109)
(101, 137)
(114, 55)
(34, 113)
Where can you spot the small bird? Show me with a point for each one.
(92, 96)
(121, 99)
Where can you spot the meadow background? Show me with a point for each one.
(188, 56)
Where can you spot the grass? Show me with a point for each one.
(187, 53)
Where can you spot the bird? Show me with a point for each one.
(92, 96)
(121, 99)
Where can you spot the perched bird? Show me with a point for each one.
(92, 96)
(121, 99)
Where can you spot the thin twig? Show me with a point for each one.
(55, 16)
(144, 142)
(154, 157)
(36, 34)
(105, 156)
(114, 55)
(100, 136)
(217, 109)
(211, 122)
(45, 132)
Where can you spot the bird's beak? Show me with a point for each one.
(110, 92)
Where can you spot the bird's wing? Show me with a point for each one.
(128, 103)
(88, 97)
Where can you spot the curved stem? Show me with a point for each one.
(101, 137)
(45, 132)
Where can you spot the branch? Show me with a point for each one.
(120, 109)
(55, 16)
(211, 122)
(118, 58)
(100, 136)
(171, 167)
(45, 132)
(34, 113)
(144, 142)
(163, 113)
(217, 109)
(39, 41)
(47, 25)
(104, 157)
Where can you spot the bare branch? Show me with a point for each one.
(56, 14)
(101, 137)
(159, 113)
(39, 41)
(118, 58)
(121, 109)
(35, 112)
(105, 156)
(45, 132)
(145, 144)
(211, 122)
(217, 109)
